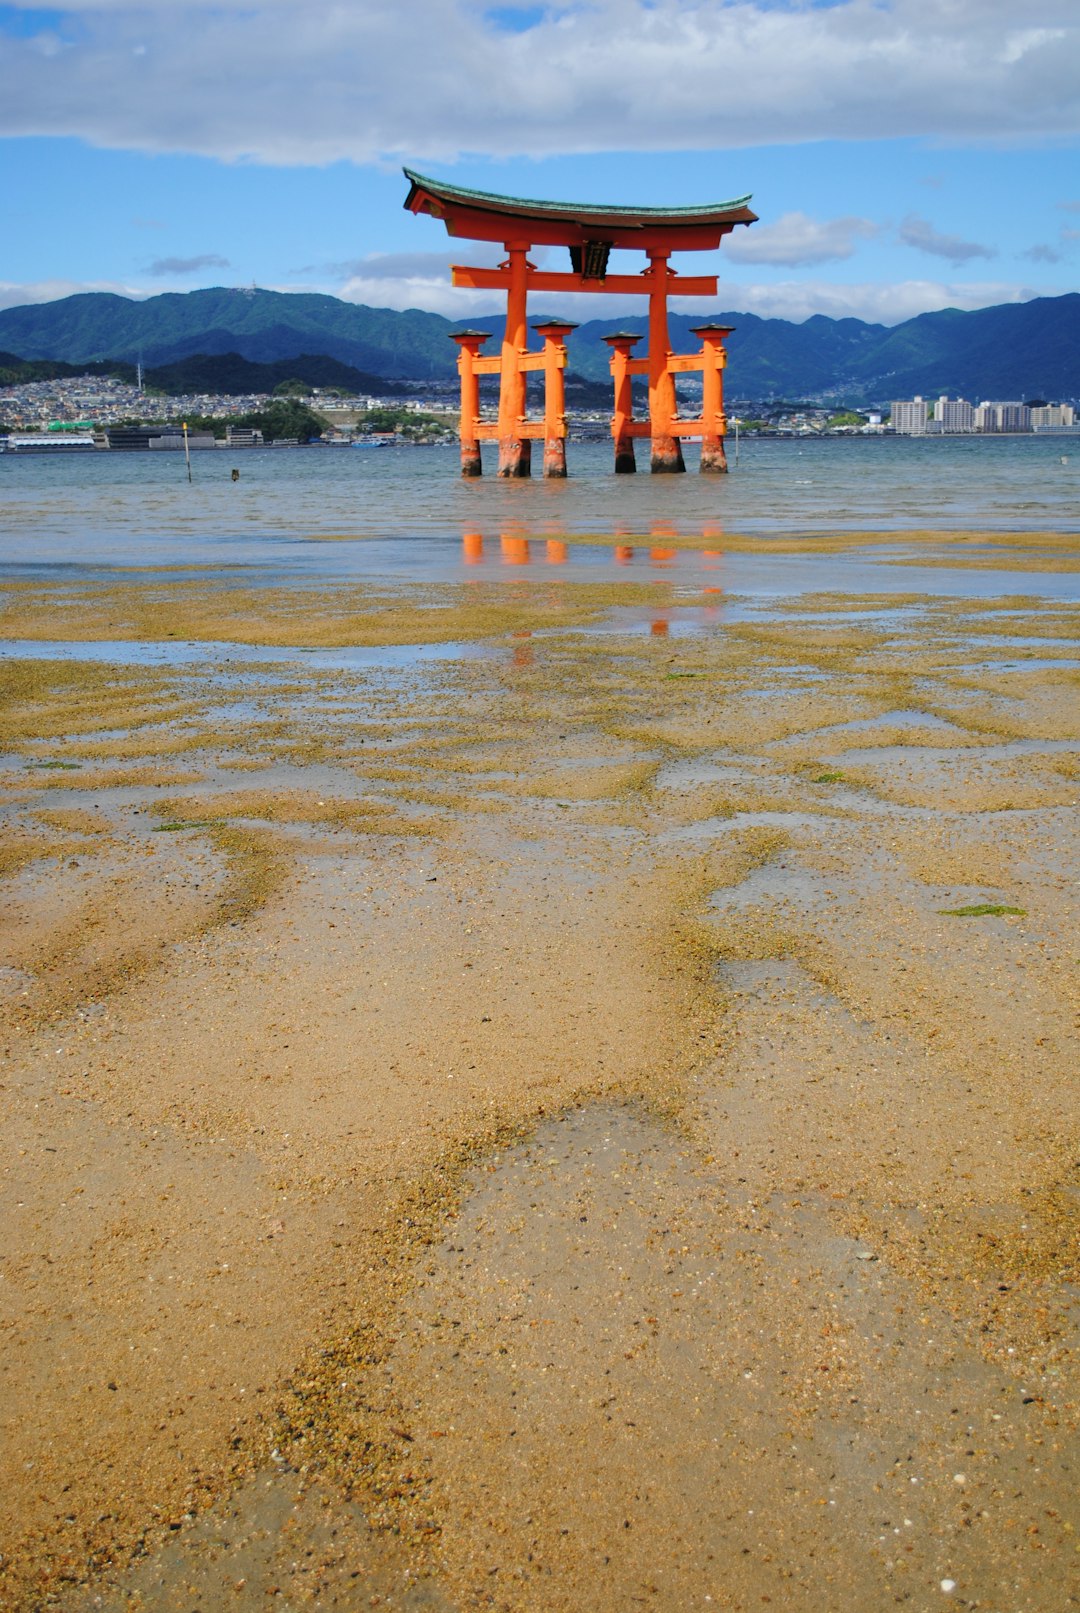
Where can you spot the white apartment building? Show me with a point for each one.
(914, 417)
(954, 414)
(996, 417)
(1053, 417)
(909, 417)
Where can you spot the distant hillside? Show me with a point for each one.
(260, 325)
(769, 357)
(229, 373)
(17, 371)
(1015, 350)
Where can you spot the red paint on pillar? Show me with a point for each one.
(515, 451)
(554, 332)
(667, 454)
(555, 458)
(469, 345)
(714, 423)
(622, 344)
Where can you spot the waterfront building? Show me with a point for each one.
(46, 443)
(1053, 417)
(909, 417)
(996, 417)
(954, 414)
(142, 439)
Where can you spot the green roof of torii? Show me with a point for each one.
(577, 212)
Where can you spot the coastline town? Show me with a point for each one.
(92, 412)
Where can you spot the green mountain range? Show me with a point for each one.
(1015, 350)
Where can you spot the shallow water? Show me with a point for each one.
(141, 652)
(410, 511)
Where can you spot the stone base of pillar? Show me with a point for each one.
(667, 456)
(555, 457)
(713, 457)
(470, 459)
(625, 463)
(515, 456)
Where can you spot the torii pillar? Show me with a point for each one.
(515, 448)
(554, 332)
(469, 344)
(713, 418)
(622, 346)
(667, 454)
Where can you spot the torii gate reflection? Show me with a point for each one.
(518, 549)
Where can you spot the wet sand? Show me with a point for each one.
(588, 1123)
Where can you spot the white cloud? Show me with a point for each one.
(422, 279)
(16, 295)
(278, 82)
(879, 302)
(797, 239)
(921, 234)
(431, 292)
(426, 265)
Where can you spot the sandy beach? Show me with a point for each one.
(585, 1120)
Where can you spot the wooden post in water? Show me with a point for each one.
(713, 420)
(622, 346)
(187, 452)
(469, 345)
(515, 449)
(667, 454)
(554, 332)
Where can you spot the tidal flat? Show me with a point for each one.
(587, 1121)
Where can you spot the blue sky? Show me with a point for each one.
(901, 155)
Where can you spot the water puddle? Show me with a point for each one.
(136, 652)
(776, 884)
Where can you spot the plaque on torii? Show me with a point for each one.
(590, 233)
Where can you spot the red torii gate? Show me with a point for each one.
(590, 233)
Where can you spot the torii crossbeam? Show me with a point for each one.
(590, 233)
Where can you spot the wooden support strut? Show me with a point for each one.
(469, 368)
(554, 332)
(473, 278)
(622, 421)
(713, 420)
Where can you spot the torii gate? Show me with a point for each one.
(590, 233)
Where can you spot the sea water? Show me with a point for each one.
(335, 514)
